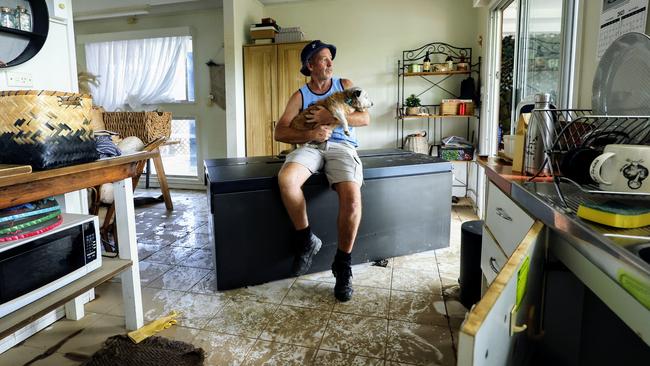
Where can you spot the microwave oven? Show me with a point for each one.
(33, 267)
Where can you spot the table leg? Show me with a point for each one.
(147, 174)
(162, 179)
(128, 247)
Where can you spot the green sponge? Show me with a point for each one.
(616, 214)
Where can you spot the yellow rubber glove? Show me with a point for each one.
(152, 328)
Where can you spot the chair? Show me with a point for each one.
(148, 126)
(108, 225)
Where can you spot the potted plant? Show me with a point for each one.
(412, 105)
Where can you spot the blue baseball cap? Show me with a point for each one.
(311, 49)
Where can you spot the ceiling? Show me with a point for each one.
(86, 7)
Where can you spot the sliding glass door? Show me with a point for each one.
(540, 50)
(531, 50)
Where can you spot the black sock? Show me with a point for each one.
(303, 235)
(343, 257)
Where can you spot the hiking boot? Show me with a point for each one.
(305, 255)
(343, 287)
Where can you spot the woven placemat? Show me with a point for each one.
(153, 351)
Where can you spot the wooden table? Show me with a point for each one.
(18, 189)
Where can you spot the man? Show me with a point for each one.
(327, 148)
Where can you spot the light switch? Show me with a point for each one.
(19, 79)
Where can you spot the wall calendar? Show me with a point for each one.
(619, 17)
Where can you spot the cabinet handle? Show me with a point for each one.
(514, 328)
(493, 265)
(504, 215)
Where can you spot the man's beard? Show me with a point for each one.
(326, 74)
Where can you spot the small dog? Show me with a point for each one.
(340, 104)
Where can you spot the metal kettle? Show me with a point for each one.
(540, 132)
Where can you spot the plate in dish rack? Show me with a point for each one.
(621, 86)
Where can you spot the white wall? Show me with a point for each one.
(589, 47)
(207, 35)
(370, 36)
(237, 17)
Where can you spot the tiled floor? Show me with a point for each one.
(404, 314)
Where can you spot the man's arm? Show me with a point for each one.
(355, 119)
(284, 133)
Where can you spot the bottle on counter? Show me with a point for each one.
(450, 63)
(540, 132)
(7, 18)
(426, 65)
(23, 19)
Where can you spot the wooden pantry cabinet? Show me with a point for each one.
(271, 75)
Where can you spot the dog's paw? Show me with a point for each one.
(347, 133)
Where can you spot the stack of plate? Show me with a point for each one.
(29, 219)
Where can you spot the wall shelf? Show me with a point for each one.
(420, 116)
(36, 38)
(31, 312)
(407, 74)
(442, 52)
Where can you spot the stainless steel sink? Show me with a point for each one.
(543, 200)
(641, 250)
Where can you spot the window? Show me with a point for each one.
(183, 89)
(135, 73)
(179, 155)
(540, 37)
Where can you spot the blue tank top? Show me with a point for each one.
(309, 98)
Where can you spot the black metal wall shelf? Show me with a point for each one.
(416, 56)
(433, 112)
(36, 38)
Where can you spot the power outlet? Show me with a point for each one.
(19, 79)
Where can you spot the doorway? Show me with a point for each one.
(531, 50)
(507, 66)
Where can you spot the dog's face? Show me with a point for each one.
(359, 98)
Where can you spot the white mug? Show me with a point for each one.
(622, 168)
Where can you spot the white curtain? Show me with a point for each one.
(135, 74)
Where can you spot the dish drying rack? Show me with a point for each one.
(578, 128)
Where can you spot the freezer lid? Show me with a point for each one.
(247, 174)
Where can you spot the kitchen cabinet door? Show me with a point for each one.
(261, 99)
(496, 331)
(271, 76)
(507, 221)
(492, 257)
(289, 79)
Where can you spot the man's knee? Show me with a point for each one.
(292, 177)
(349, 197)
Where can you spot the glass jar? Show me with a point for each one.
(7, 18)
(23, 19)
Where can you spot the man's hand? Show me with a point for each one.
(321, 116)
(321, 133)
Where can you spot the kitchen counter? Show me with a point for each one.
(609, 265)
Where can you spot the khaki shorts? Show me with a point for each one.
(341, 161)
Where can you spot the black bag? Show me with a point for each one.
(468, 90)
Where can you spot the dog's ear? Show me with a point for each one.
(357, 93)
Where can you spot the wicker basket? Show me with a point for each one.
(451, 107)
(417, 142)
(45, 129)
(147, 126)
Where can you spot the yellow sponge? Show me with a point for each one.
(616, 214)
(152, 328)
